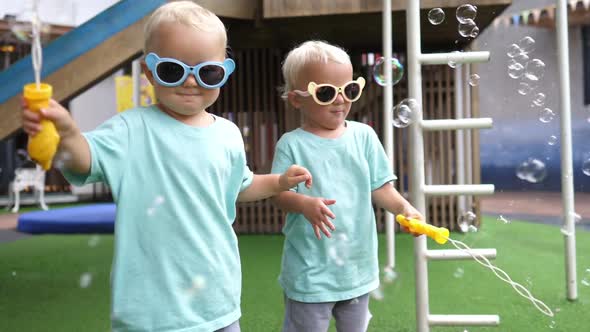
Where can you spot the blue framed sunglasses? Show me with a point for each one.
(171, 72)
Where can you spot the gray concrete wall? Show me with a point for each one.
(518, 134)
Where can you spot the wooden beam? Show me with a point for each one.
(241, 9)
(54, 29)
(82, 72)
(294, 8)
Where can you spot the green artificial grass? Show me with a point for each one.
(40, 281)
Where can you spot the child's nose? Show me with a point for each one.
(191, 81)
(339, 99)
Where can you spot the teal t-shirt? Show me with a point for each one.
(346, 169)
(176, 264)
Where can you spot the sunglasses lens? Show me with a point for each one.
(169, 72)
(212, 74)
(352, 91)
(325, 93)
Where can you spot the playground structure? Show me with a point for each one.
(419, 189)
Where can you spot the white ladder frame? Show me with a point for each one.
(418, 188)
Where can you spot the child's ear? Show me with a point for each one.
(294, 99)
(147, 73)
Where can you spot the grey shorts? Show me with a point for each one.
(233, 327)
(351, 315)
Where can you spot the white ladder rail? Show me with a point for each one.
(417, 186)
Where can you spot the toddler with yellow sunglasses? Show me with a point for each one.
(331, 277)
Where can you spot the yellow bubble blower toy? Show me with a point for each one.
(43, 146)
(438, 234)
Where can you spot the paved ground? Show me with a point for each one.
(8, 222)
(543, 207)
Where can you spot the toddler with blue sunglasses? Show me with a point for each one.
(176, 173)
(331, 277)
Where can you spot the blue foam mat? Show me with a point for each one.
(95, 218)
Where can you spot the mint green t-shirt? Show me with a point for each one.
(346, 169)
(176, 264)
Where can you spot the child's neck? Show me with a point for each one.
(324, 132)
(198, 119)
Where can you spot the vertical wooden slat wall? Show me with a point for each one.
(251, 100)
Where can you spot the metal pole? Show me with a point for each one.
(468, 134)
(567, 178)
(387, 123)
(460, 137)
(136, 82)
(416, 160)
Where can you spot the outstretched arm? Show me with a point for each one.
(388, 198)
(267, 185)
(72, 142)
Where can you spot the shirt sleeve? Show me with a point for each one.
(247, 174)
(247, 177)
(379, 165)
(109, 147)
(282, 160)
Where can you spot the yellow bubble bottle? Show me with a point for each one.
(43, 146)
(438, 234)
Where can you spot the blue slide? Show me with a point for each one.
(96, 218)
(75, 43)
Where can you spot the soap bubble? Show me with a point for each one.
(503, 219)
(404, 112)
(397, 70)
(534, 70)
(546, 115)
(85, 280)
(465, 220)
(452, 63)
(389, 274)
(539, 99)
(338, 251)
(513, 50)
(515, 69)
(586, 167)
(436, 16)
(468, 28)
(532, 170)
(474, 80)
(466, 12)
(525, 88)
(527, 44)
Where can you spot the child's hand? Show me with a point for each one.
(55, 112)
(294, 175)
(316, 211)
(411, 213)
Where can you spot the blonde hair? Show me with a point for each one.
(187, 13)
(313, 51)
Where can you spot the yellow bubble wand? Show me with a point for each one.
(43, 146)
(441, 236)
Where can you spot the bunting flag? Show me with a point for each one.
(516, 19)
(533, 15)
(536, 14)
(525, 16)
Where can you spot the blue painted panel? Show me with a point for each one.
(75, 43)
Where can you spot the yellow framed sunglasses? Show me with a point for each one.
(325, 94)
